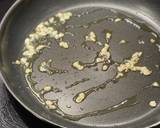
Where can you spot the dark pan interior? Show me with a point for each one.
(29, 13)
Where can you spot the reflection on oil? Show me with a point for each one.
(77, 83)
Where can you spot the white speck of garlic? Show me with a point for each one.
(91, 37)
(141, 42)
(152, 40)
(78, 66)
(155, 84)
(63, 44)
(117, 20)
(80, 97)
(122, 42)
(48, 88)
(152, 104)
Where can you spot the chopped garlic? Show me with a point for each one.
(49, 102)
(143, 70)
(51, 105)
(155, 84)
(63, 44)
(51, 20)
(152, 104)
(157, 66)
(80, 97)
(141, 42)
(45, 67)
(47, 88)
(99, 60)
(104, 53)
(77, 65)
(123, 42)
(104, 67)
(33, 37)
(63, 17)
(24, 61)
(58, 36)
(108, 36)
(17, 62)
(29, 53)
(91, 37)
(99, 43)
(28, 71)
(117, 20)
(46, 23)
(130, 65)
(40, 47)
(119, 75)
(152, 40)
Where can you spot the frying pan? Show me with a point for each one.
(25, 15)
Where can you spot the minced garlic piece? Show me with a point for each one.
(108, 36)
(152, 40)
(119, 75)
(99, 60)
(28, 71)
(17, 62)
(117, 20)
(46, 23)
(155, 84)
(123, 42)
(104, 53)
(99, 43)
(63, 44)
(23, 61)
(51, 105)
(43, 30)
(77, 65)
(102, 57)
(45, 67)
(141, 42)
(80, 97)
(104, 67)
(152, 104)
(58, 36)
(157, 66)
(40, 47)
(91, 37)
(47, 88)
(63, 17)
(143, 70)
(130, 65)
(51, 20)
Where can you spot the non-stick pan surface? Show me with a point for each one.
(25, 15)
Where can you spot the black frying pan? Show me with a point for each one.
(131, 94)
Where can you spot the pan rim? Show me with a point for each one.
(6, 83)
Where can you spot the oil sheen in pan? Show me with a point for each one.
(54, 31)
